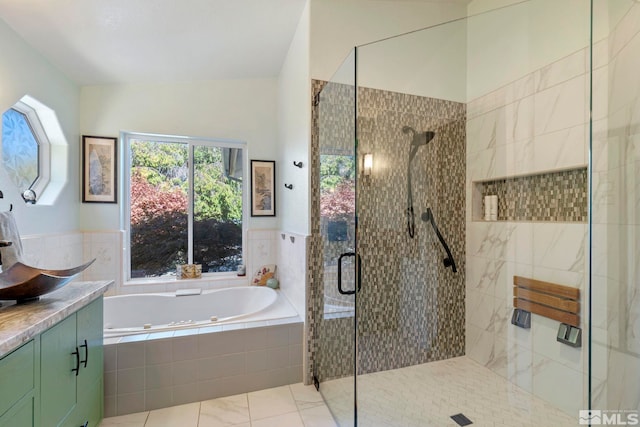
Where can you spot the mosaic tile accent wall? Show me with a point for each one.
(411, 308)
(554, 196)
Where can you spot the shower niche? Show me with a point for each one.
(556, 196)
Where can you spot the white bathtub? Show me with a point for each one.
(169, 365)
(148, 313)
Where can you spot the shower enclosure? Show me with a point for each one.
(411, 296)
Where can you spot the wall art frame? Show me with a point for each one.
(263, 188)
(99, 169)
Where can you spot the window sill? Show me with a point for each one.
(207, 281)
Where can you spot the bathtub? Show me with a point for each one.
(149, 313)
(255, 341)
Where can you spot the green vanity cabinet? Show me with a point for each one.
(58, 383)
(21, 414)
(71, 365)
(51, 359)
(18, 372)
(90, 386)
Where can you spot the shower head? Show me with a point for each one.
(418, 138)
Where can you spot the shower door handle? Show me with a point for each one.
(358, 272)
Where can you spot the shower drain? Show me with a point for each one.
(461, 420)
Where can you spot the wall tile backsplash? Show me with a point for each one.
(60, 251)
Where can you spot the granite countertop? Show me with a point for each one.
(21, 322)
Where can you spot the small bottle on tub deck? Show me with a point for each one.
(242, 271)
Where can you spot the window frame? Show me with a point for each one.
(41, 138)
(125, 211)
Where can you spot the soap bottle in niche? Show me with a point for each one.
(494, 208)
(487, 208)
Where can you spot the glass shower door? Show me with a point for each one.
(333, 273)
(411, 221)
(446, 119)
(454, 115)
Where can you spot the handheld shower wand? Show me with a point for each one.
(418, 139)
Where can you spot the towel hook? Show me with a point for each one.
(289, 186)
(297, 164)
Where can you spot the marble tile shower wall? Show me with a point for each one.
(616, 216)
(536, 124)
(403, 318)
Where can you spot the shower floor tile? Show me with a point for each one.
(429, 394)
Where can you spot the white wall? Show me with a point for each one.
(234, 109)
(294, 132)
(431, 63)
(24, 71)
(506, 44)
(339, 25)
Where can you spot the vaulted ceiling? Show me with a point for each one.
(133, 41)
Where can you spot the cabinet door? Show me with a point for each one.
(90, 390)
(16, 375)
(57, 380)
(21, 415)
(89, 321)
(89, 409)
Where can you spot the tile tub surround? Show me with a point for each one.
(263, 246)
(146, 372)
(292, 267)
(19, 323)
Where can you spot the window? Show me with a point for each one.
(185, 204)
(32, 141)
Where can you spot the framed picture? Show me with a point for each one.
(263, 189)
(99, 169)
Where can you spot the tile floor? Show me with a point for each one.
(416, 396)
(294, 405)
